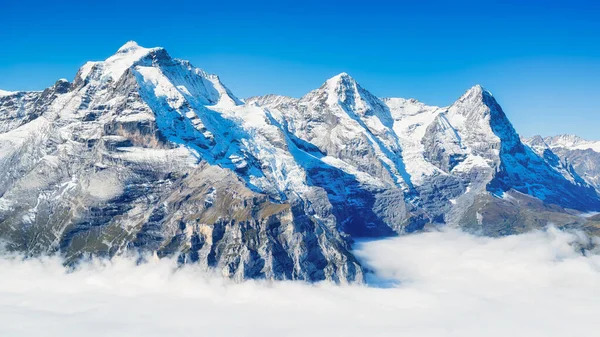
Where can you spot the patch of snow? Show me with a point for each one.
(210, 197)
(135, 117)
(170, 157)
(479, 218)
(588, 214)
(11, 141)
(6, 205)
(471, 162)
(4, 93)
(238, 161)
(103, 185)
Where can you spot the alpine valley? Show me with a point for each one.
(144, 153)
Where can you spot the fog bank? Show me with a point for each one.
(432, 284)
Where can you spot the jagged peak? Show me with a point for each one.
(400, 101)
(570, 138)
(269, 100)
(574, 142)
(536, 141)
(132, 55)
(477, 88)
(478, 109)
(341, 80)
(477, 96)
(131, 50)
(343, 88)
(476, 91)
(61, 86)
(536, 138)
(341, 76)
(114, 66)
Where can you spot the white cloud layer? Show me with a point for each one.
(433, 284)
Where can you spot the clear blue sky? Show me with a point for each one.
(541, 59)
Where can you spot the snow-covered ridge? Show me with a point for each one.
(114, 66)
(573, 153)
(572, 142)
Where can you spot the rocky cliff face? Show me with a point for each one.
(145, 153)
(573, 153)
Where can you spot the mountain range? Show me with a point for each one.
(144, 153)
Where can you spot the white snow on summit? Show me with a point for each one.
(572, 142)
(114, 66)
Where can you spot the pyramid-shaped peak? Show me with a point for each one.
(537, 138)
(536, 141)
(343, 90)
(477, 90)
(341, 84)
(477, 87)
(477, 95)
(342, 78)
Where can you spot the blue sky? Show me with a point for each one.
(541, 59)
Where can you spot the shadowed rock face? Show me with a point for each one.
(580, 155)
(143, 153)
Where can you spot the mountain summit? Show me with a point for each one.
(148, 154)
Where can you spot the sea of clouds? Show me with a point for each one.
(432, 284)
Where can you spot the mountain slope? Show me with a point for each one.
(143, 153)
(574, 153)
(134, 157)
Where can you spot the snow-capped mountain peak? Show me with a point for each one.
(572, 142)
(128, 47)
(340, 87)
(341, 79)
(126, 56)
(113, 67)
(536, 142)
(343, 85)
(477, 95)
(477, 89)
(155, 69)
(158, 155)
(580, 154)
(478, 107)
(344, 91)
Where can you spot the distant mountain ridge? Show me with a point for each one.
(146, 153)
(580, 155)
